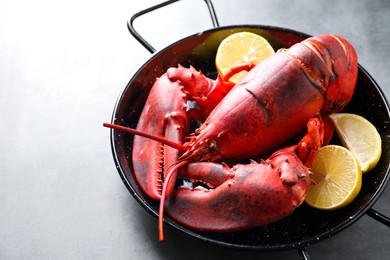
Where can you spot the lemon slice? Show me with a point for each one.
(360, 137)
(241, 48)
(337, 177)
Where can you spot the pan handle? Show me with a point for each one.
(146, 44)
(303, 253)
(378, 216)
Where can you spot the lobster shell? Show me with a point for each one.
(306, 225)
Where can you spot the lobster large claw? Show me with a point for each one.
(244, 196)
(165, 119)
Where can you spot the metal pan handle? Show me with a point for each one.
(371, 212)
(146, 44)
(303, 253)
(378, 217)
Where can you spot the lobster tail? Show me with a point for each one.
(341, 59)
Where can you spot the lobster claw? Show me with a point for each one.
(246, 195)
(167, 115)
(166, 119)
(240, 197)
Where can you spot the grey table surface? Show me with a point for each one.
(62, 67)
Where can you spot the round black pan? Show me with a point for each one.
(306, 225)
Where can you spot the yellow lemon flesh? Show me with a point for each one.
(360, 137)
(241, 48)
(337, 177)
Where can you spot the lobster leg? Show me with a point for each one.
(329, 128)
(320, 130)
(238, 68)
(312, 141)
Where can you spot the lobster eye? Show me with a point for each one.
(197, 131)
(213, 145)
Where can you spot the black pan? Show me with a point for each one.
(306, 225)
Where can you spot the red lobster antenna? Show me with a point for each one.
(150, 136)
(170, 172)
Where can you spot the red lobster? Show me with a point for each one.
(293, 88)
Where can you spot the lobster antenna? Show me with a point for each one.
(147, 135)
(171, 172)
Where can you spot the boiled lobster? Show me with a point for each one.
(292, 90)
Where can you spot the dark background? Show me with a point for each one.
(63, 65)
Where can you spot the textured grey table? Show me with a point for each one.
(62, 67)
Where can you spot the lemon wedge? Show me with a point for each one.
(360, 137)
(337, 177)
(241, 48)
